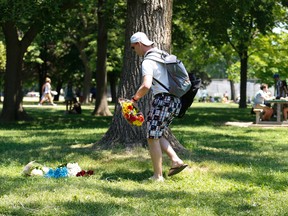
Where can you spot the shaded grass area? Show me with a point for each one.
(232, 170)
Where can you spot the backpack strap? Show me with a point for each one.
(161, 84)
(158, 56)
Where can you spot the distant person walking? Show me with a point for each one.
(46, 93)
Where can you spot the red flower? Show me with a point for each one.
(141, 118)
(130, 107)
(133, 118)
(127, 115)
(85, 173)
(81, 173)
(90, 172)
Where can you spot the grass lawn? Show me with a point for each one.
(232, 170)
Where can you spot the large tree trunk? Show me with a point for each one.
(13, 95)
(101, 104)
(154, 18)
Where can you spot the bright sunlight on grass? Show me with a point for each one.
(232, 170)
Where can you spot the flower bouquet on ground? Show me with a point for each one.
(131, 113)
(63, 170)
(34, 169)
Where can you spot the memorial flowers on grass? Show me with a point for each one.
(63, 170)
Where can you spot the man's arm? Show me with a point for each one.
(144, 88)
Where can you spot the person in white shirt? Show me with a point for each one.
(259, 100)
(46, 93)
(164, 107)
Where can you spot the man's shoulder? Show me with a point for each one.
(154, 54)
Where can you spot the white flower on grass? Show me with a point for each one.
(34, 169)
(27, 168)
(36, 172)
(45, 169)
(73, 169)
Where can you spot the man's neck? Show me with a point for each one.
(146, 49)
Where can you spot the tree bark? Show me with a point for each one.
(112, 78)
(243, 79)
(101, 104)
(154, 18)
(232, 87)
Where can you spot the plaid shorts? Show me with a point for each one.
(164, 108)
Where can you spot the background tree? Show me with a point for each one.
(20, 25)
(81, 27)
(234, 22)
(101, 104)
(115, 13)
(269, 56)
(153, 18)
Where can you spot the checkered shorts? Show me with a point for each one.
(164, 109)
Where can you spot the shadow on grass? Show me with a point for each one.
(179, 199)
(126, 175)
(52, 151)
(50, 119)
(258, 178)
(71, 208)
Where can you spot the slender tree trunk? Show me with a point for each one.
(232, 87)
(42, 69)
(87, 73)
(13, 95)
(112, 77)
(86, 82)
(101, 104)
(243, 76)
(154, 18)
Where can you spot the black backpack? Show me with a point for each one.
(188, 98)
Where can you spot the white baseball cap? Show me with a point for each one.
(141, 37)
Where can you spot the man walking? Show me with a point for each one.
(164, 107)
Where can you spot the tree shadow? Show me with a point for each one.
(126, 175)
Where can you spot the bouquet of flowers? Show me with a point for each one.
(131, 113)
(63, 170)
(34, 169)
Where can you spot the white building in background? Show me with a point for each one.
(218, 87)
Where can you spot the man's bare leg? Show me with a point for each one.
(167, 148)
(156, 157)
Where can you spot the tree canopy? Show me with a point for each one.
(215, 39)
(233, 22)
